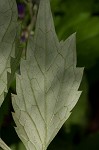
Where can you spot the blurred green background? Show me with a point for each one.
(81, 130)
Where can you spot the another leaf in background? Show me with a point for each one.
(8, 23)
(47, 87)
(8, 65)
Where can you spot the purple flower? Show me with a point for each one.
(21, 10)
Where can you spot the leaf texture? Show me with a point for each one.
(8, 23)
(47, 88)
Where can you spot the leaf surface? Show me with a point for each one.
(8, 29)
(8, 23)
(47, 89)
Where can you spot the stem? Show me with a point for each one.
(33, 14)
(33, 8)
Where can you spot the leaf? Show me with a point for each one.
(47, 88)
(8, 23)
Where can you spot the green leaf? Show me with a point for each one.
(8, 23)
(9, 46)
(47, 88)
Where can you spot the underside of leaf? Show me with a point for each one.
(9, 47)
(8, 24)
(47, 89)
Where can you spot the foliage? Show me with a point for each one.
(78, 131)
(48, 82)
